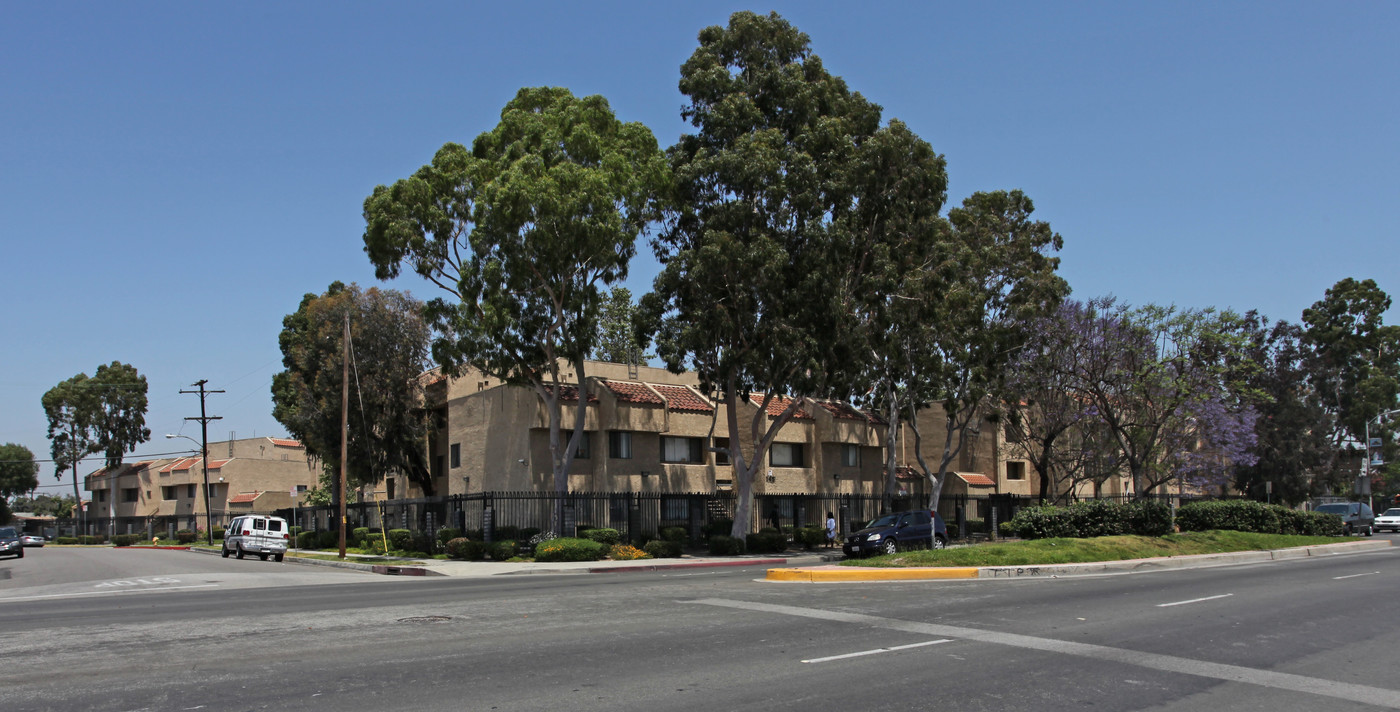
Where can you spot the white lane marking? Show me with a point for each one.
(1167, 663)
(1339, 578)
(879, 650)
(106, 593)
(1194, 600)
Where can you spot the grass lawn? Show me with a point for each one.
(1107, 548)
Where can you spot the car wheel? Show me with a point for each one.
(1370, 531)
(277, 557)
(940, 542)
(889, 547)
(223, 551)
(262, 557)
(238, 554)
(1346, 530)
(20, 555)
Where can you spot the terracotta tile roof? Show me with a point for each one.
(633, 393)
(846, 411)
(907, 473)
(244, 497)
(568, 393)
(216, 464)
(778, 405)
(973, 478)
(183, 463)
(285, 442)
(680, 398)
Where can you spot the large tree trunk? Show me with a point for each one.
(891, 442)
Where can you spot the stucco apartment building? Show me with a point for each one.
(649, 430)
(247, 475)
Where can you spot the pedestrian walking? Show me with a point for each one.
(830, 529)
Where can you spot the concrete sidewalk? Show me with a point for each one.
(838, 574)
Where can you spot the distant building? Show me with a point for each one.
(248, 475)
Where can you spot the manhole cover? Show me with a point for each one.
(426, 619)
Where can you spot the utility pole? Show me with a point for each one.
(204, 446)
(344, 427)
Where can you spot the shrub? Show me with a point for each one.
(809, 537)
(125, 539)
(626, 552)
(421, 543)
(503, 550)
(358, 536)
(717, 527)
(91, 539)
(219, 533)
(66, 540)
(1091, 518)
(185, 536)
(509, 532)
(1293, 521)
(373, 546)
(1041, 522)
(766, 541)
(1148, 518)
(569, 549)
(447, 534)
(675, 534)
(644, 537)
(607, 537)
(463, 549)
(307, 540)
(327, 539)
(663, 549)
(400, 539)
(726, 546)
(1237, 515)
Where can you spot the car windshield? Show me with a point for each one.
(8, 531)
(888, 520)
(1335, 508)
(1392, 512)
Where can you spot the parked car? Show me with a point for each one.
(1357, 517)
(896, 532)
(255, 534)
(1389, 519)
(10, 544)
(31, 540)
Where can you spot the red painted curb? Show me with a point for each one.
(147, 548)
(696, 565)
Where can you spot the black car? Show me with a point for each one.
(10, 544)
(899, 531)
(1357, 517)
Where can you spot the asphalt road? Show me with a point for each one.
(229, 635)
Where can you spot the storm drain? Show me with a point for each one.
(426, 619)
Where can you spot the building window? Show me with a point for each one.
(682, 450)
(456, 455)
(785, 455)
(850, 455)
(1015, 470)
(389, 484)
(301, 488)
(620, 445)
(213, 490)
(584, 451)
(722, 458)
(131, 495)
(167, 492)
(189, 491)
(101, 495)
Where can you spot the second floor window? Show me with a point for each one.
(785, 455)
(456, 454)
(684, 450)
(850, 455)
(620, 445)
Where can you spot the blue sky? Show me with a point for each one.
(175, 176)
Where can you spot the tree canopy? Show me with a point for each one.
(520, 233)
(104, 414)
(387, 424)
(19, 473)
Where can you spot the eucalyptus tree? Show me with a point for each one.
(105, 414)
(998, 273)
(748, 295)
(387, 425)
(520, 233)
(1355, 360)
(618, 341)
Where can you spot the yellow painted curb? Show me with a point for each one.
(851, 573)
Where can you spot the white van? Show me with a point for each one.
(257, 534)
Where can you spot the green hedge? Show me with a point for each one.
(809, 537)
(125, 539)
(1249, 516)
(463, 549)
(307, 540)
(766, 541)
(570, 549)
(726, 546)
(663, 549)
(677, 535)
(503, 550)
(68, 540)
(447, 534)
(185, 536)
(1091, 518)
(327, 539)
(610, 537)
(91, 539)
(358, 537)
(219, 533)
(400, 539)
